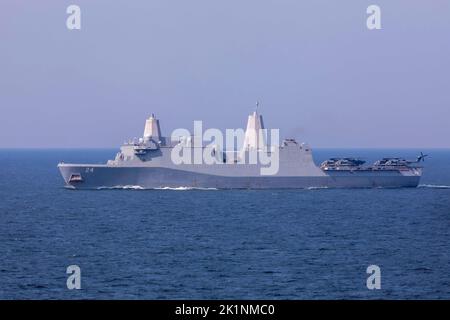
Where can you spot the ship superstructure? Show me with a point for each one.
(148, 162)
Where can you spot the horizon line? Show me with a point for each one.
(323, 147)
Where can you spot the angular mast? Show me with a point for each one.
(254, 138)
(152, 129)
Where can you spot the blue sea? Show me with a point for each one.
(221, 244)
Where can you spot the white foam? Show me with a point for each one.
(183, 188)
(132, 187)
(128, 187)
(173, 188)
(316, 188)
(433, 186)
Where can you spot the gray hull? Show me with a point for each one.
(103, 176)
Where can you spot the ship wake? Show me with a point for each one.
(183, 188)
(128, 187)
(133, 187)
(433, 186)
(316, 188)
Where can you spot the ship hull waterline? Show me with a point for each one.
(104, 177)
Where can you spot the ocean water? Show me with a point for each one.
(217, 244)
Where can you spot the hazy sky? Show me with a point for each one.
(320, 74)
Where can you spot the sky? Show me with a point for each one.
(320, 74)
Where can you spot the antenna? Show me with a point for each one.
(257, 105)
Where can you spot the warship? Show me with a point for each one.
(148, 163)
